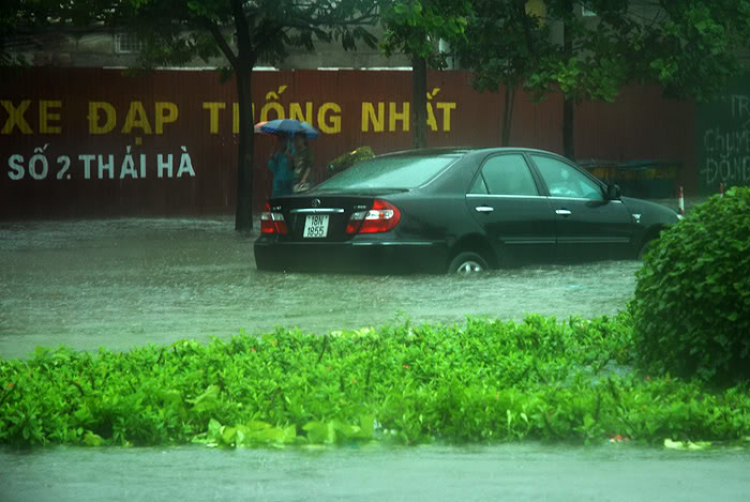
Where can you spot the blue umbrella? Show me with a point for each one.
(287, 126)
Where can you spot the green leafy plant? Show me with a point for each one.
(691, 310)
(483, 381)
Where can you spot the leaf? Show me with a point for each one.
(349, 431)
(228, 435)
(698, 445)
(269, 435)
(290, 434)
(319, 432)
(214, 429)
(207, 400)
(91, 439)
(255, 426)
(172, 397)
(686, 445)
(367, 425)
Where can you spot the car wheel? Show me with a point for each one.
(467, 263)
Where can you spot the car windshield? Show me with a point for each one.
(396, 172)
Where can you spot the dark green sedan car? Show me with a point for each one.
(455, 210)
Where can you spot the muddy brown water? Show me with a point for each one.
(126, 282)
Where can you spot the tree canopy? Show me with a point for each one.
(690, 48)
(20, 19)
(415, 27)
(245, 32)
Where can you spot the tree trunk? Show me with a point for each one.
(568, 129)
(510, 94)
(419, 102)
(244, 218)
(243, 64)
(569, 104)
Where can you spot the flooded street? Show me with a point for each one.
(526, 471)
(120, 283)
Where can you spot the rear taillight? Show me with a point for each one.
(272, 223)
(381, 218)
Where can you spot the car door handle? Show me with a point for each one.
(563, 212)
(485, 209)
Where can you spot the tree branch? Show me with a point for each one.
(300, 23)
(244, 40)
(220, 41)
(265, 35)
(521, 6)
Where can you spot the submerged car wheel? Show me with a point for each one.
(467, 263)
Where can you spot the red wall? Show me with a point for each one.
(162, 112)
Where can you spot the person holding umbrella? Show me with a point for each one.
(291, 162)
(291, 127)
(302, 159)
(280, 164)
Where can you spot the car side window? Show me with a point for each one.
(479, 186)
(506, 175)
(566, 181)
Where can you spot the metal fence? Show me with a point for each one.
(95, 142)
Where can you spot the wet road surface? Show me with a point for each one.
(514, 472)
(120, 283)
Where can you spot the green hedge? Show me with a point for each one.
(482, 382)
(691, 309)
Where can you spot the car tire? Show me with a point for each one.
(467, 263)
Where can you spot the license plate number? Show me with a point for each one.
(316, 226)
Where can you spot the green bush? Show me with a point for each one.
(485, 381)
(691, 310)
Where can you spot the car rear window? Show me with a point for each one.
(399, 172)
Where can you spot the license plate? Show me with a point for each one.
(316, 226)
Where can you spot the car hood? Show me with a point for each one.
(651, 212)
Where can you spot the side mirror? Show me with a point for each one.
(613, 192)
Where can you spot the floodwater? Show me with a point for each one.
(125, 282)
(514, 472)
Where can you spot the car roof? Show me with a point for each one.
(461, 151)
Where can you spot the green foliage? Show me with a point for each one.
(508, 59)
(244, 32)
(593, 64)
(22, 19)
(483, 382)
(414, 26)
(690, 48)
(694, 51)
(691, 309)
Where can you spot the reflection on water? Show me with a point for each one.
(126, 282)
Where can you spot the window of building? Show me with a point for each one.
(127, 43)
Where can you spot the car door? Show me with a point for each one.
(587, 226)
(505, 200)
